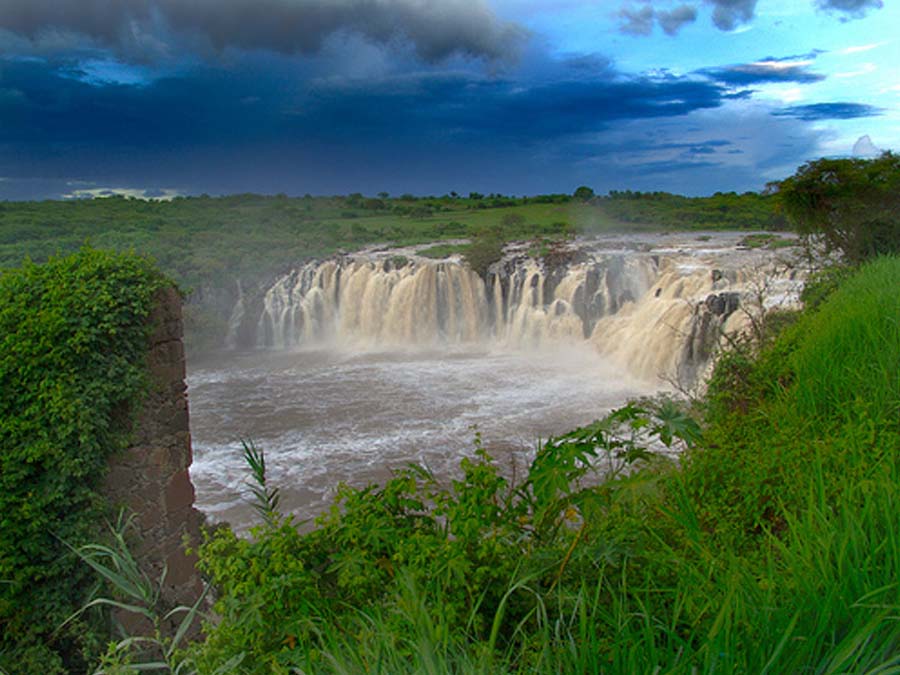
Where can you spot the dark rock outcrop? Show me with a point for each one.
(150, 478)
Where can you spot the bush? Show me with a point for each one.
(73, 340)
(471, 561)
(854, 204)
(774, 547)
(485, 248)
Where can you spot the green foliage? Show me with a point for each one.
(485, 248)
(472, 550)
(720, 211)
(135, 594)
(73, 339)
(822, 283)
(583, 193)
(825, 389)
(265, 498)
(773, 548)
(854, 204)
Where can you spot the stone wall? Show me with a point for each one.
(151, 477)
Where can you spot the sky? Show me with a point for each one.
(157, 98)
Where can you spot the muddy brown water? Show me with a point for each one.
(326, 416)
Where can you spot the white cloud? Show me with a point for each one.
(865, 69)
(861, 48)
(163, 195)
(864, 147)
(792, 95)
(777, 66)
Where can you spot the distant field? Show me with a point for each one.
(200, 239)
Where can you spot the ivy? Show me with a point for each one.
(73, 341)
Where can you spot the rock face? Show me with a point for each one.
(151, 478)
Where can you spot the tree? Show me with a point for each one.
(854, 204)
(583, 193)
(485, 248)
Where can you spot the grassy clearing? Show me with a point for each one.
(201, 239)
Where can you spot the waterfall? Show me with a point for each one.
(659, 314)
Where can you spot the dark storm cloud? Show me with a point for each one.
(640, 21)
(436, 28)
(496, 111)
(852, 8)
(675, 152)
(649, 168)
(672, 21)
(42, 103)
(214, 129)
(727, 15)
(829, 111)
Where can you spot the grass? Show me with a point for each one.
(853, 359)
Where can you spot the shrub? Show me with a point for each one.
(468, 562)
(853, 203)
(483, 252)
(73, 338)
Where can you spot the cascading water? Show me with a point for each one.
(648, 310)
(364, 363)
(358, 300)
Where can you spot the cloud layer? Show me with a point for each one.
(853, 8)
(829, 111)
(148, 28)
(330, 96)
(216, 129)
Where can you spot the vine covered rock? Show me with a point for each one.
(73, 342)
